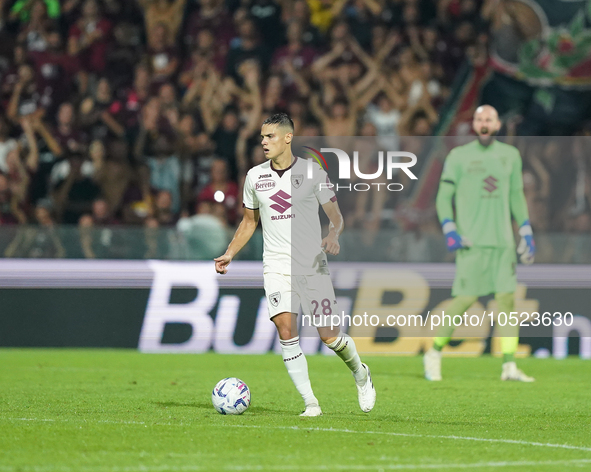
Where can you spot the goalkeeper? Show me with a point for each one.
(485, 178)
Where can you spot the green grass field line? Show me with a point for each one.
(123, 411)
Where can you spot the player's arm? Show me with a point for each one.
(518, 204)
(331, 242)
(245, 230)
(443, 203)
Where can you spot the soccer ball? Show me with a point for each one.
(230, 396)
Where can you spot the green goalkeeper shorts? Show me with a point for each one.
(484, 270)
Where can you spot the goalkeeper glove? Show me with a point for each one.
(452, 238)
(527, 245)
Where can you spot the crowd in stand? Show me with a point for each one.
(144, 112)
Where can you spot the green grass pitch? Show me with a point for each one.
(122, 411)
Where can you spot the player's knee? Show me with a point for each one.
(328, 339)
(284, 325)
(467, 300)
(328, 334)
(504, 296)
(285, 332)
(505, 301)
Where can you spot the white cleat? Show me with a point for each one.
(366, 393)
(511, 372)
(312, 410)
(432, 365)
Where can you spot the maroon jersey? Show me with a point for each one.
(94, 57)
(72, 140)
(55, 71)
(160, 60)
(132, 104)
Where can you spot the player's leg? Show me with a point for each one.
(280, 299)
(432, 358)
(509, 336)
(457, 307)
(319, 302)
(344, 347)
(295, 360)
(505, 285)
(472, 279)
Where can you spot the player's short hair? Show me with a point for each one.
(280, 119)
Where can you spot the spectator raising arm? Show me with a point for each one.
(24, 76)
(241, 156)
(391, 42)
(115, 127)
(32, 160)
(301, 83)
(398, 100)
(415, 43)
(375, 6)
(211, 104)
(543, 175)
(317, 109)
(47, 136)
(327, 59)
(365, 98)
(422, 107)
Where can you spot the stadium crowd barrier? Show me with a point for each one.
(195, 242)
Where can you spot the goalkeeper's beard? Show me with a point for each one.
(487, 140)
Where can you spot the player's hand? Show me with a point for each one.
(222, 263)
(330, 244)
(527, 245)
(453, 239)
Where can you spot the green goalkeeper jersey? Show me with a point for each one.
(487, 184)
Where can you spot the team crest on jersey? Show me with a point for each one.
(275, 298)
(297, 179)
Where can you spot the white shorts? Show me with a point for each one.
(314, 293)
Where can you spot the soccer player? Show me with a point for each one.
(485, 179)
(294, 259)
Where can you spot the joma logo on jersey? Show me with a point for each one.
(281, 204)
(490, 184)
(264, 185)
(264, 176)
